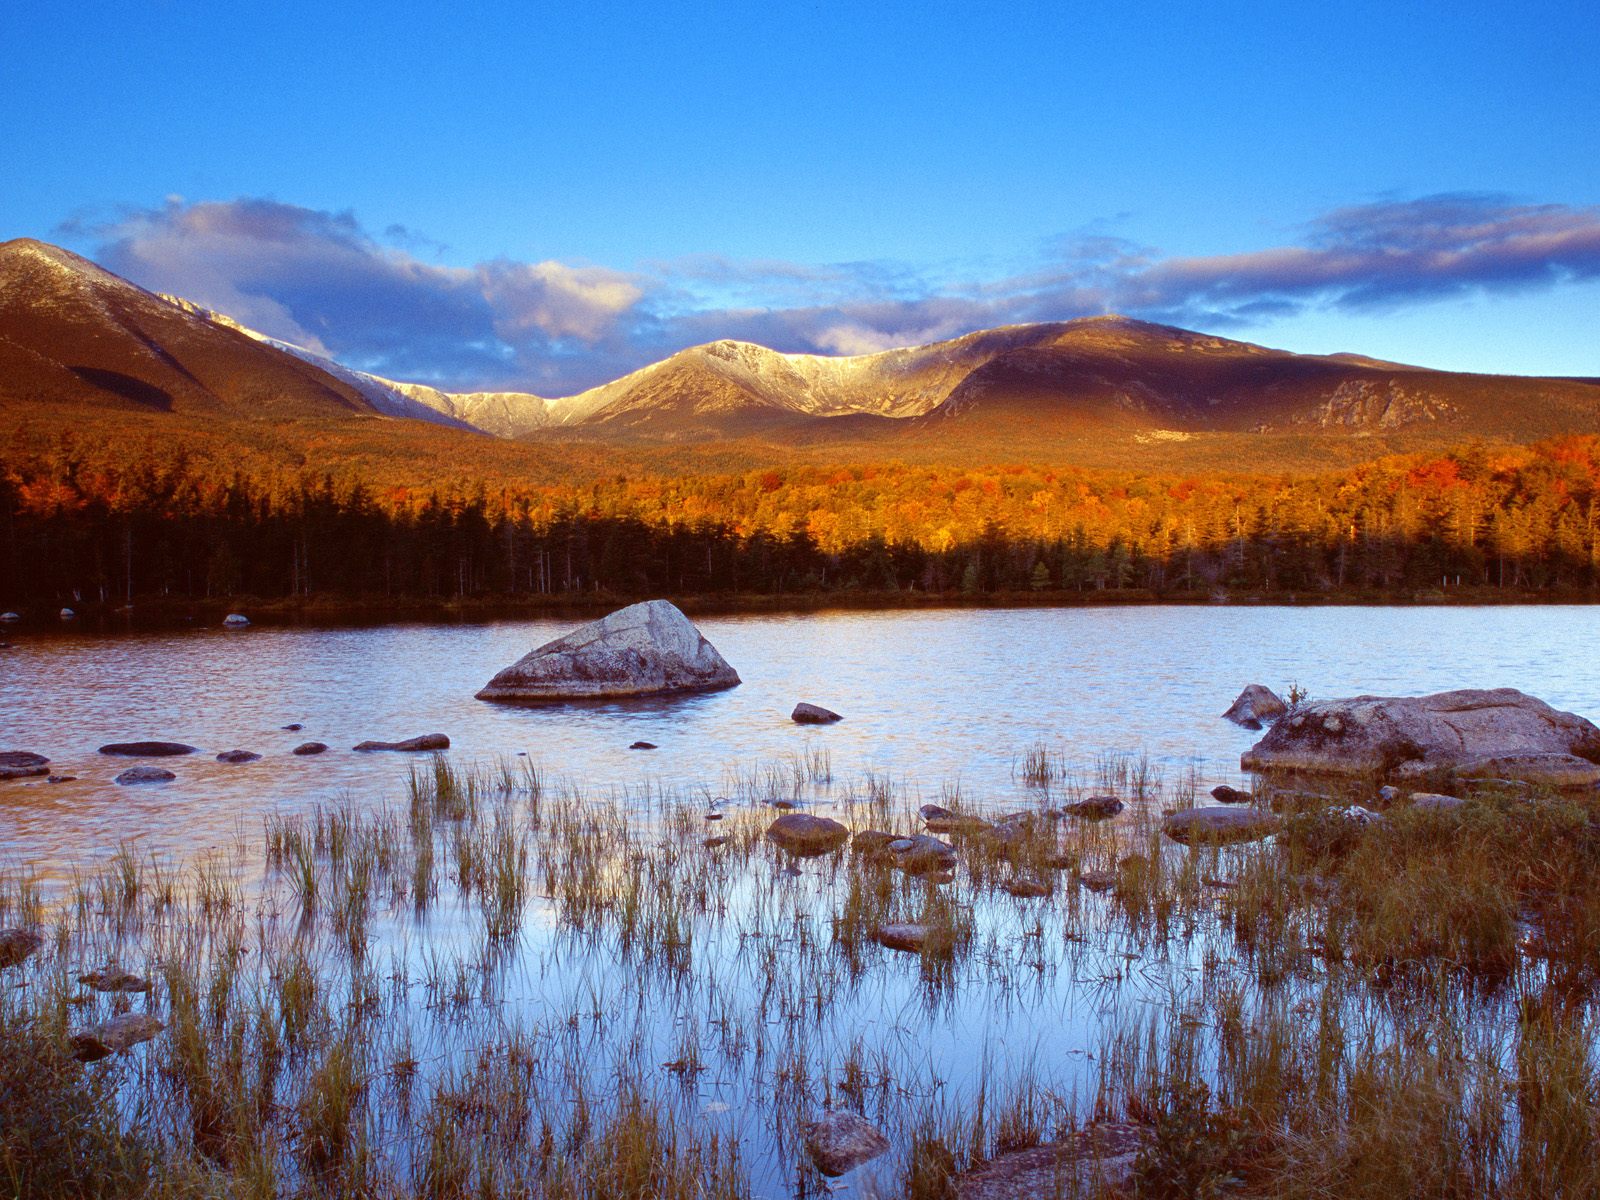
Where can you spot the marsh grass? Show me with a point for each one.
(508, 987)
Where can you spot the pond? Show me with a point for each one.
(930, 698)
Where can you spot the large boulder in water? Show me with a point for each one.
(1498, 733)
(643, 650)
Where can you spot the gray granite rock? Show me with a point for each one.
(643, 650)
(1500, 733)
(841, 1141)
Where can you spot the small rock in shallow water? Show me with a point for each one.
(1218, 825)
(147, 749)
(426, 741)
(1098, 881)
(146, 775)
(110, 1037)
(16, 945)
(61, 779)
(943, 820)
(871, 842)
(236, 621)
(642, 746)
(840, 1141)
(907, 937)
(237, 756)
(305, 748)
(21, 764)
(1095, 808)
(1223, 794)
(711, 843)
(1026, 889)
(1100, 1159)
(813, 714)
(801, 833)
(114, 979)
(294, 728)
(922, 854)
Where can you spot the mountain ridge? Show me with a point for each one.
(71, 332)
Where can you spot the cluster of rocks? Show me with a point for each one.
(118, 1033)
(24, 764)
(1099, 1159)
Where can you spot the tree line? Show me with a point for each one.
(90, 529)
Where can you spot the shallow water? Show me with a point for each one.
(929, 697)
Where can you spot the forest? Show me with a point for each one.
(85, 528)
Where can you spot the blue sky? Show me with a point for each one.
(545, 196)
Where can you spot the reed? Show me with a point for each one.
(506, 985)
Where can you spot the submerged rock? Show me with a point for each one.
(804, 834)
(238, 756)
(1218, 825)
(21, 764)
(17, 945)
(643, 650)
(1026, 888)
(1094, 808)
(1255, 706)
(907, 936)
(307, 748)
(813, 714)
(944, 820)
(871, 842)
(114, 979)
(145, 775)
(1100, 1159)
(120, 1033)
(147, 749)
(1499, 732)
(426, 741)
(922, 854)
(841, 1141)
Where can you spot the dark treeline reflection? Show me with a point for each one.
(105, 531)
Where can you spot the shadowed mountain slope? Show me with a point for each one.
(72, 334)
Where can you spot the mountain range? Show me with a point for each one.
(73, 335)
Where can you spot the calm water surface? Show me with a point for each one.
(929, 697)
